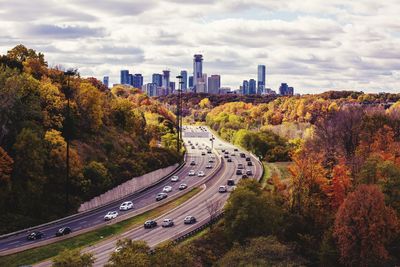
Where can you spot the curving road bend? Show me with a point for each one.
(141, 200)
(196, 206)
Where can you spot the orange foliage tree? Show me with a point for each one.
(363, 226)
(339, 186)
(6, 163)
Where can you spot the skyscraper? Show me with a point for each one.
(124, 76)
(197, 69)
(252, 87)
(245, 87)
(150, 89)
(137, 80)
(190, 82)
(165, 81)
(214, 84)
(157, 79)
(106, 80)
(261, 79)
(284, 89)
(130, 79)
(184, 80)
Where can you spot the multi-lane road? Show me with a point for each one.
(196, 140)
(90, 219)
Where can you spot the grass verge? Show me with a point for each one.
(267, 174)
(42, 253)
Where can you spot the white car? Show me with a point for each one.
(209, 166)
(191, 173)
(167, 189)
(200, 174)
(111, 215)
(222, 189)
(175, 178)
(127, 205)
(167, 223)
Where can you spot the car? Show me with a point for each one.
(127, 205)
(222, 189)
(192, 163)
(175, 178)
(161, 196)
(209, 151)
(249, 163)
(193, 147)
(110, 215)
(167, 189)
(211, 160)
(248, 159)
(239, 172)
(203, 153)
(229, 160)
(230, 182)
(226, 156)
(240, 166)
(118, 249)
(223, 150)
(192, 173)
(242, 155)
(249, 172)
(189, 220)
(244, 176)
(233, 154)
(236, 150)
(150, 224)
(200, 174)
(167, 223)
(182, 186)
(35, 235)
(208, 166)
(226, 152)
(63, 231)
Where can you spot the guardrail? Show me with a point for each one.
(29, 229)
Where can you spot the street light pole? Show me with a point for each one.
(179, 115)
(68, 73)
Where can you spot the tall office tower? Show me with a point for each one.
(252, 87)
(130, 79)
(157, 79)
(290, 90)
(124, 76)
(165, 81)
(172, 87)
(137, 80)
(190, 82)
(245, 87)
(205, 82)
(150, 89)
(214, 84)
(197, 69)
(106, 80)
(260, 79)
(184, 80)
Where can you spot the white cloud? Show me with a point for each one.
(313, 45)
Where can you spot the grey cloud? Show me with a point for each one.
(69, 32)
(119, 7)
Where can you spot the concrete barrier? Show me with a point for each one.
(127, 188)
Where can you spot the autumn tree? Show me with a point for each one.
(131, 254)
(363, 227)
(6, 164)
(339, 186)
(73, 258)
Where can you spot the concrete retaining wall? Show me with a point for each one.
(127, 188)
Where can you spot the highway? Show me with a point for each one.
(196, 206)
(141, 200)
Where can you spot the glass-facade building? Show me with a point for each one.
(261, 79)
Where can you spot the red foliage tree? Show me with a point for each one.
(339, 186)
(363, 226)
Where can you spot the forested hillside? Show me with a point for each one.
(115, 135)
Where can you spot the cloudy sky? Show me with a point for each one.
(314, 45)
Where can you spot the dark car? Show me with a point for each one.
(239, 172)
(240, 166)
(244, 176)
(249, 163)
(230, 182)
(226, 152)
(150, 224)
(236, 150)
(63, 231)
(229, 160)
(161, 196)
(242, 155)
(35, 235)
(249, 172)
(248, 159)
(189, 220)
(226, 156)
(192, 163)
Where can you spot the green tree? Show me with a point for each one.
(73, 258)
(250, 212)
(130, 254)
(169, 255)
(98, 175)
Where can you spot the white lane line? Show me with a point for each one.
(15, 242)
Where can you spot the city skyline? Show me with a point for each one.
(313, 45)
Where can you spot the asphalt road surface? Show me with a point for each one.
(196, 206)
(140, 200)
